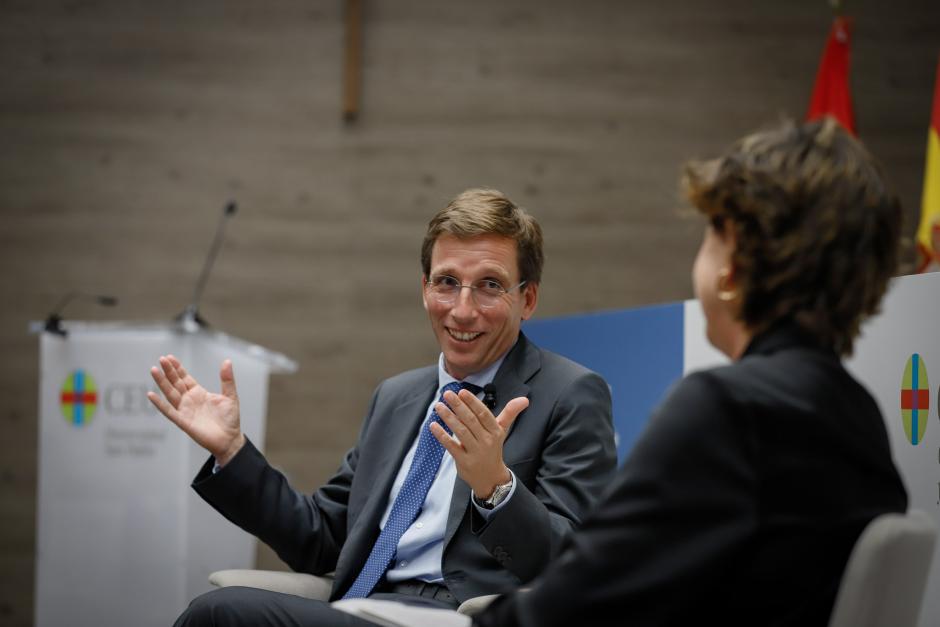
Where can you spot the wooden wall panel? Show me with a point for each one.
(126, 125)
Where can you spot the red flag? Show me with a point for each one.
(831, 95)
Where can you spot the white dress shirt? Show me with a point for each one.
(421, 547)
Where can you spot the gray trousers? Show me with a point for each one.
(235, 606)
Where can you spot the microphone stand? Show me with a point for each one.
(54, 321)
(189, 319)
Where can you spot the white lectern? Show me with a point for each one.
(121, 537)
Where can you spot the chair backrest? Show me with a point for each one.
(886, 574)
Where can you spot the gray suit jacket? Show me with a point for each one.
(561, 450)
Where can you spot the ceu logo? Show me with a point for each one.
(915, 399)
(79, 398)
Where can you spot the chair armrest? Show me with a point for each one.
(476, 604)
(298, 584)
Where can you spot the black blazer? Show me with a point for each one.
(561, 449)
(739, 504)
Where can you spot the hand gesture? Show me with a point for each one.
(477, 443)
(211, 420)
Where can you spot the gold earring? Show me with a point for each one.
(725, 294)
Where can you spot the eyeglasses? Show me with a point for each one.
(486, 293)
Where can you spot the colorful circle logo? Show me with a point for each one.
(915, 399)
(79, 398)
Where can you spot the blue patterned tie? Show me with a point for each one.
(408, 503)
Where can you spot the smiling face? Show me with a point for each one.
(472, 338)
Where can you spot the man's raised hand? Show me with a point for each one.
(477, 443)
(211, 420)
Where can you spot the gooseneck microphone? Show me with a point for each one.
(54, 321)
(190, 318)
(489, 396)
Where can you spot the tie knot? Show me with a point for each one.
(453, 386)
(456, 386)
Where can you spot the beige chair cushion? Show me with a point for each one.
(476, 604)
(884, 580)
(298, 584)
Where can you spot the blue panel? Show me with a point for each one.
(638, 351)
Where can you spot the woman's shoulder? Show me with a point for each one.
(789, 371)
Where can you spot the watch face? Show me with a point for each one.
(499, 494)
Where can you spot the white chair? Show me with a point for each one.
(885, 577)
(298, 584)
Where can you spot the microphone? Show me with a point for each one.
(54, 321)
(489, 396)
(190, 319)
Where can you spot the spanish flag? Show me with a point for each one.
(928, 233)
(831, 95)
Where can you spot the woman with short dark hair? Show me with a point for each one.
(746, 493)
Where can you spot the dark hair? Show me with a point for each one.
(817, 229)
(488, 212)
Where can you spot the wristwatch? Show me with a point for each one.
(499, 495)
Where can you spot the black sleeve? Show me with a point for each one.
(680, 507)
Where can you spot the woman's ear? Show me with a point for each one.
(727, 288)
(727, 282)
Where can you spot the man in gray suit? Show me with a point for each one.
(466, 475)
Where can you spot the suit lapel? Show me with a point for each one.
(397, 429)
(520, 365)
(522, 362)
(398, 432)
(403, 424)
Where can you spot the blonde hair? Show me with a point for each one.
(483, 211)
